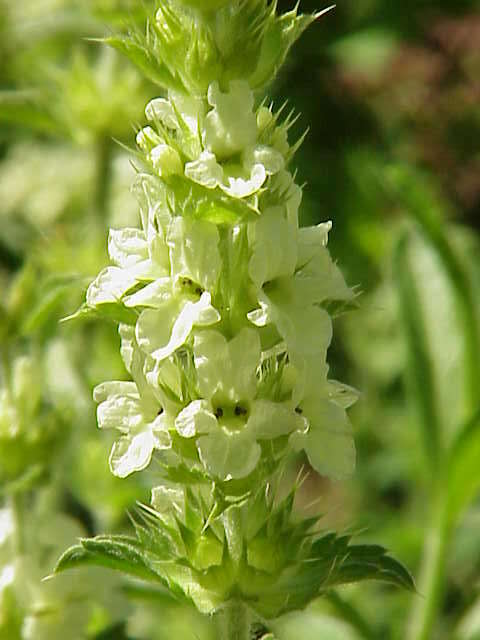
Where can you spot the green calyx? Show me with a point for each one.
(254, 553)
(206, 5)
(185, 50)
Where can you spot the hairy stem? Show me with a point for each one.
(234, 622)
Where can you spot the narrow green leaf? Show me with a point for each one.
(419, 198)
(351, 614)
(25, 108)
(462, 468)
(419, 366)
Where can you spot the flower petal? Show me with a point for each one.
(162, 331)
(274, 247)
(109, 286)
(318, 278)
(194, 251)
(127, 247)
(160, 428)
(329, 442)
(152, 295)
(120, 412)
(228, 455)
(161, 110)
(272, 160)
(226, 370)
(231, 126)
(131, 454)
(305, 329)
(166, 160)
(205, 170)
(196, 418)
(243, 186)
(114, 388)
(270, 420)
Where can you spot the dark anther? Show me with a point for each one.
(240, 411)
(298, 410)
(187, 282)
(199, 291)
(219, 412)
(160, 411)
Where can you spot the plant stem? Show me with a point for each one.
(432, 577)
(234, 622)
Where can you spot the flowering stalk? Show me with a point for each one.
(222, 302)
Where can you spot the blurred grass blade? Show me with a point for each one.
(24, 108)
(351, 614)
(419, 366)
(418, 197)
(462, 470)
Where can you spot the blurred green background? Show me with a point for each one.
(391, 94)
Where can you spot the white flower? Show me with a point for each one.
(294, 274)
(233, 160)
(327, 440)
(135, 410)
(230, 419)
(183, 300)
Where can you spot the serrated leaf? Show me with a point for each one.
(106, 552)
(333, 561)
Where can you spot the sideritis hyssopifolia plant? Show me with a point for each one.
(223, 301)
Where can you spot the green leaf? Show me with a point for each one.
(463, 479)
(416, 193)
(25, 108)
(106, 551)
(50, 300)
(114, 311)
(332, 561)
(351, 614)
(352, 563)
(419, 365)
